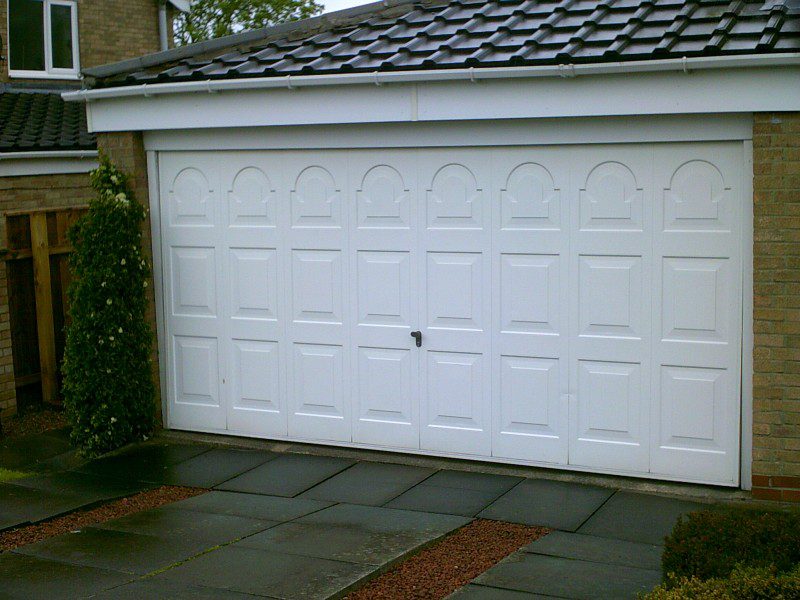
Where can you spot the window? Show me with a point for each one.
(43, 39)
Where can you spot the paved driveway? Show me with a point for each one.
(302, 526)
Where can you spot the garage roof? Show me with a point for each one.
(477, 33)
(38, 120)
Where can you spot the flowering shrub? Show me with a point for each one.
(108, 385)
(743, 583)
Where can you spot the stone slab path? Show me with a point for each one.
(296, 526)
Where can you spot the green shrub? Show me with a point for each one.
(742, 584)
(108, 385)
(711, 543)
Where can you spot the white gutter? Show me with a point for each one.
(50, 154)
(473, 74)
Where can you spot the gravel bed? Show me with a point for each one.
(32, 423)
(439, 570)
(83, 518)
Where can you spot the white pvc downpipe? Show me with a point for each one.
(439, 75)
(163, 29)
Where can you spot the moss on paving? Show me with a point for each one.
(9, 475)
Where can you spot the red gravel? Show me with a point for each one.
(74, 521)
(439, 570)
(32, 423)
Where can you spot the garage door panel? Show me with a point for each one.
(387, 399)
(191, 200)
(695, 420)
(455, 285)
(256, 398)
(611, 297)
(252, 199)
(530, 249)
(195, 383)
(319, 409)
(384, 281)
(317, 287)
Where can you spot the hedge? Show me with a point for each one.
(742, 584)
(710, 543)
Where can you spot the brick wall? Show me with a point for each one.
(28, 193)
(108, 31)
(776, 312)
(127, 152)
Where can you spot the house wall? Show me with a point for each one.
(776, 306)
(22, 194)
(108, 31)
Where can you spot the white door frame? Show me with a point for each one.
(532, 132)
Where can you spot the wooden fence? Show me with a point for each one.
(38, 279)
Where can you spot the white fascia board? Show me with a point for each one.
(182, 5)
(21, 164)
(516, 132)
(758, 89)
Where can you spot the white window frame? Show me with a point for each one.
(50, 72)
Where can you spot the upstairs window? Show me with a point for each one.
(43, 39)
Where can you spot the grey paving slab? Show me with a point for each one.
(597, 549)
(188, 525)
(89, 487)
(446, 500)
(638, 517)
(556, 504)
(147, 589)
(114, 550)
(25, 452)
(385, 520)
(569, 578)
(143, 462)
(253, 571)
(287, 475)
(355, 533)
(19, 504)
(254, 506)
(467, 480)
(211, 468)
(369, 483)
(482, 592)
(29, 577)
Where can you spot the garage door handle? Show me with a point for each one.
(417, 335)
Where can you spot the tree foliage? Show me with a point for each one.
(216, 18)
(108, 383)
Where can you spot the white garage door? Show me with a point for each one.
(576, 305)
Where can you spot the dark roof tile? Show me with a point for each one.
(39, 120)
(482, 33)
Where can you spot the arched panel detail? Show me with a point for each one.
(611, 199)
(696, 198)
(454, 198)
(189, 199)
(316, 199)
(383, 199)
(251, 199)
(530, 199)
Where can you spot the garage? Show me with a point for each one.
(568, 305)
(554, 234)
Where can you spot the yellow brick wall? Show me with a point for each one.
(28, 193)
(776, 306)
(108, 31)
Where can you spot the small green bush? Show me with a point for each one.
(742, 584)
(108, 385)
(711, 543)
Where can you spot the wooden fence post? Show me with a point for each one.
(44, 307)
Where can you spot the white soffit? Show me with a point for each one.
(21, 164)
(729, 90)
